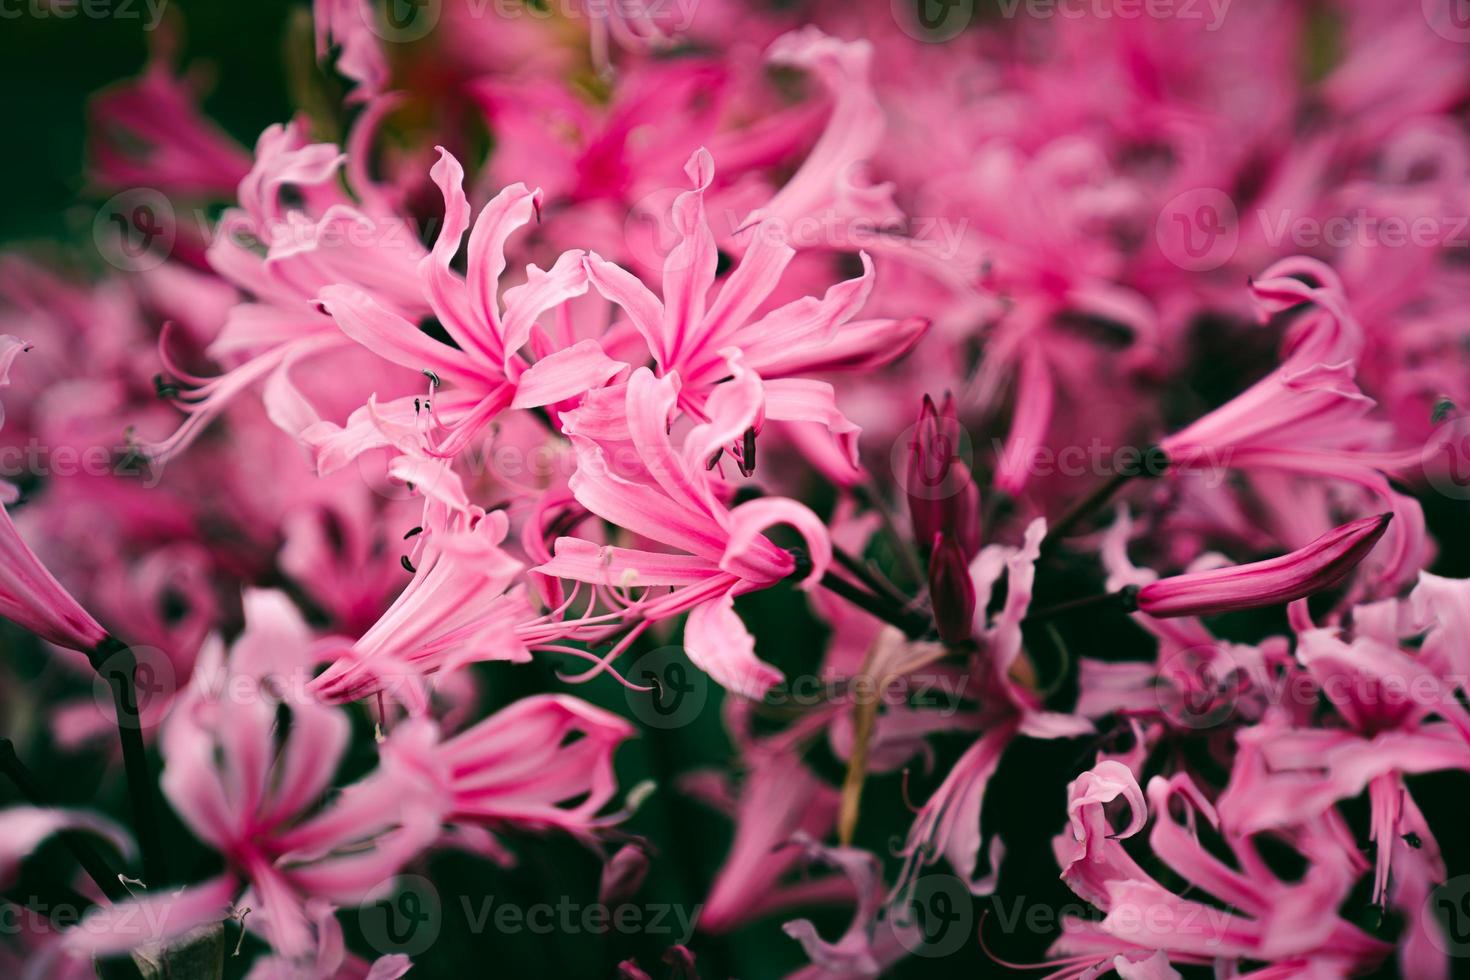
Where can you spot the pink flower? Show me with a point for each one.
(1317, 567)
(545, 763)
(672, 496)
(149, 132)
(348, 25)
(1260, 917)
(486, 370)
(31, 597)
(779, 799)
(462, 606)
(691, 335)
(248, 787)
(942, 495)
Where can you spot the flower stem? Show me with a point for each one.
(1155, 463)
(913, 624)
(1125, 600)
(118, 666)
(77, 843)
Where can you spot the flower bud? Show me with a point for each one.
(1306, 571)
(31, 597)
(951, 590)
(942, 495)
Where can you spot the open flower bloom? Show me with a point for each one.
(1307, 418)
(1260, 917)
(672, 496)
(690, 334)
(544, 763)
(295, 231)
(247, 758)
(486, 370)
(1275, 581)
(948, 825)
(31, 597)
(462, 606)
(779, 799)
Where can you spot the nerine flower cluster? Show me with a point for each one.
(1106, 374)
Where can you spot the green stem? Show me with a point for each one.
(76, 842)
(1155, 463)
(119, 668)
(1125, 599)
(913, 624)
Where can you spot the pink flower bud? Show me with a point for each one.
(31, 597)
(951, 591)
(1306, 571)
(942, 494)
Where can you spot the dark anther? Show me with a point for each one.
(715, 459)
(413, 531)
(403, 560)
(747, 453)
(164, 388)
(1412, 839)
(803, 563)
(433, 378)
